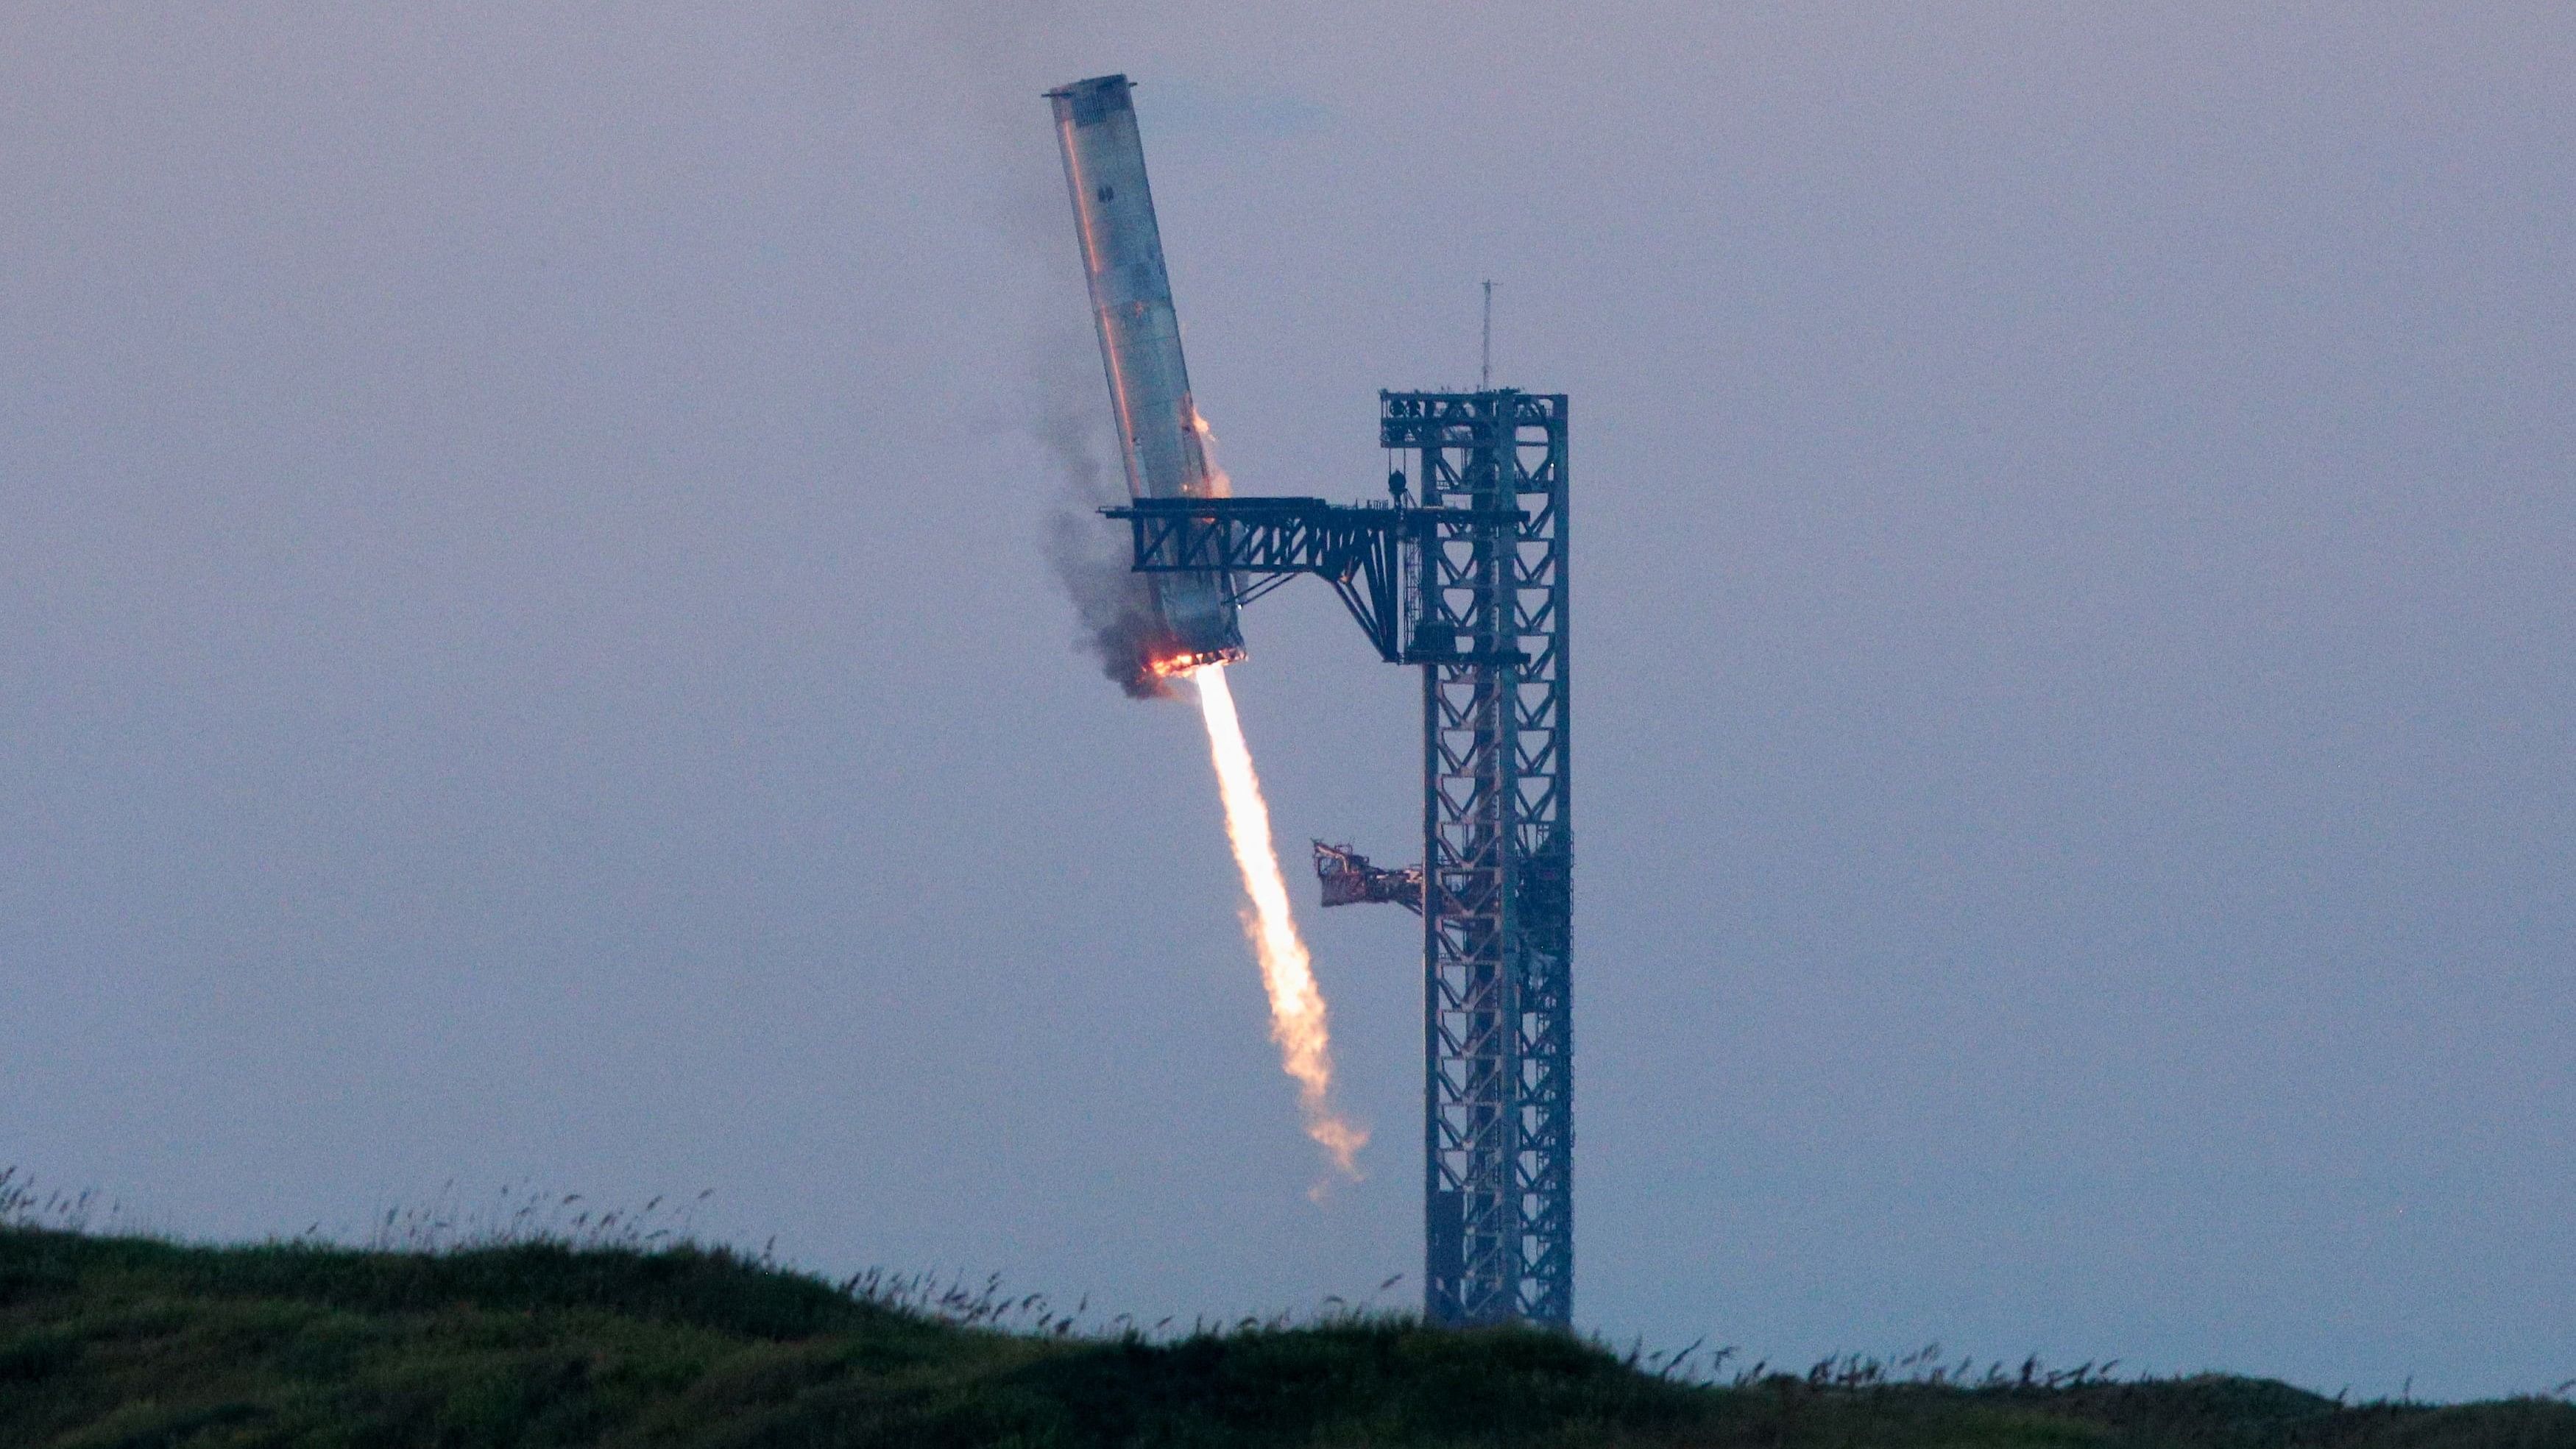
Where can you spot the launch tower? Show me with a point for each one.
(1462, 573)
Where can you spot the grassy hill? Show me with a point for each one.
(136, 1342)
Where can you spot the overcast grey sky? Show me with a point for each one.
(527, 656)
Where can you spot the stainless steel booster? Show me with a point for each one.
(1159, 435)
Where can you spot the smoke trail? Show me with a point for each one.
(1297, 1017)
(1113, 605)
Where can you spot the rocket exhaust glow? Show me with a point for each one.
(1297, 1016)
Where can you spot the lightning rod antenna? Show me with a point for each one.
(1485, 377)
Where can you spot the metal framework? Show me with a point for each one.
(1467, 581)
(1348, 879)
(1498, 1136)
(1261, 543)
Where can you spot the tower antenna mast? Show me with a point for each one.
(1485, 374)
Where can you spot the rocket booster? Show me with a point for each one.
(1140, 347)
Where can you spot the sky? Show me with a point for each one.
(527, 657)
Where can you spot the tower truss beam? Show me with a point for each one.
(1261, 543)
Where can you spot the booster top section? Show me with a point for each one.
(1122, 246)
(1131, 293)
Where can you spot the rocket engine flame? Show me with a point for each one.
(1297, 1015)
(1219, 483)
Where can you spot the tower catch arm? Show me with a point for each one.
(1369, 553)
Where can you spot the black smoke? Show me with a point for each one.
(1113, 605)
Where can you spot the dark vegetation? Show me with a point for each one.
(134, 1342)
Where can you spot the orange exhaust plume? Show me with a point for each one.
(1297, 1016)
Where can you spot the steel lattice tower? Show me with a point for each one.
(1466, 579)
(1498, 1207)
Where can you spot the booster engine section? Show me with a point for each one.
(1159, 432)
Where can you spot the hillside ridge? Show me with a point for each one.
(131, 1341)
